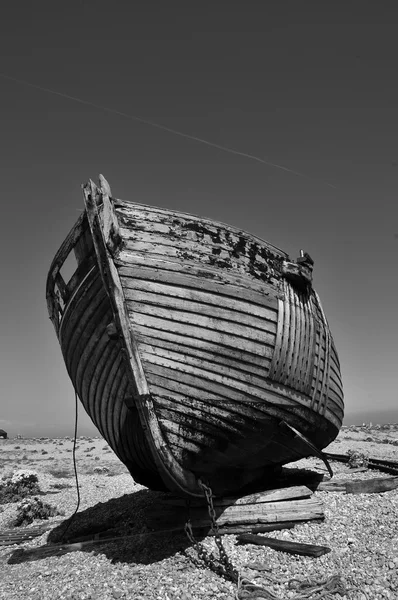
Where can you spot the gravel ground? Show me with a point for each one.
(361, 530)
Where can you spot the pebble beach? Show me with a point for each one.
(361, 531)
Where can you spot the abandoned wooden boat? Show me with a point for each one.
(199, 351)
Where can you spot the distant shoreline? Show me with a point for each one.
(358, 418)
(375, 417)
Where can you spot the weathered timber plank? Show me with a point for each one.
(265, 311)
(198, 367)
(266, 401)
(84, 245)
(220, 338)
(283, 545)
(215, 325)
(335, 396)
(99, 391)
(311, 336)
(335, 385)
(123, 445)
(199, 254)
(279, 507)
(87, 345)
(238, 360)
(334, 368)
(110, 224)
(290, 363)
(249, 409)
(190, 240)
(90, 392)
(90, 291)
(249, 528)
(136, 297)
(369, 486)
(181, 440)
(82, 271)
(142, 213)
(364, 486)
(236, 414)
(207, 437)
(295, 355)
(203, 277)
(94, 366)
(85, 334)
(164, 338)
(337, 485)
(239, 389)
(19, 536)
(265, 513)
(253, 520)
(172, 410)
(285, 309)
(334, 412)
(111, 404)
(288, 493)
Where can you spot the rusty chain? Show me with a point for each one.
(221, 565)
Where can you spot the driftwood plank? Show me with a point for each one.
(361, 486)
(369, 486)
(259, 519)
(283, 545)
(266, 508)
(248, 515)
(288, 493)
(338, 485)
(266, 528)
(20, 535)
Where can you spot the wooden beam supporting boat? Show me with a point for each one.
(272, 507)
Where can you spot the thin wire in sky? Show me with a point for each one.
(165, 128)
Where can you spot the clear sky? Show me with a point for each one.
(310, 86)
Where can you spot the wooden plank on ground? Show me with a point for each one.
(338, 485)
(369, 486)
(288, 493)
(283, 545)
(247, 529)
(19, 535)
(360, 486)
(249, 515)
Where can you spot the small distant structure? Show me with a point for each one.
(3, 434)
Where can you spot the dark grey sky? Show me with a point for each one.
(308, 85)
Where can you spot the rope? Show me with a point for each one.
(325, 588)
(74, 468)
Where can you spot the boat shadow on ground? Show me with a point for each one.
(144, 527)
(140, 528)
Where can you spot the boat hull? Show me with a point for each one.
(191, 348)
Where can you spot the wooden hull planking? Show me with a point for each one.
(190, 348)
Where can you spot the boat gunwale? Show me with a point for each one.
(121, 203)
